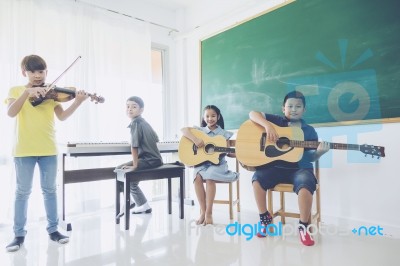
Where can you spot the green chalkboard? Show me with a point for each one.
(344, 55)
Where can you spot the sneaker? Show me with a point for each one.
(305, 237)
(263, 232)
(15, 244)
(145, 208)
(119, 215)
(59, 238)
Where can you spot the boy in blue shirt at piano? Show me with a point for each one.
(145, 153)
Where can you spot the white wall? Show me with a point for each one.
(353, 193)
(163, 23)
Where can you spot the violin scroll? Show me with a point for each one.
(96, 99)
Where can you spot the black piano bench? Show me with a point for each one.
(169, 171)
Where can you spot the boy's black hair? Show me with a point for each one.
(296, 95)
(33, 63)
(220, 120)
(137, 100)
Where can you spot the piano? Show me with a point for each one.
(89, 149)
(111, 148)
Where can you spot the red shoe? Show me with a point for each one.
(305, 237)
(263, 232)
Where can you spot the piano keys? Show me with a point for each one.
(112, 148)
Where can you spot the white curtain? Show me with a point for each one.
(115, 63)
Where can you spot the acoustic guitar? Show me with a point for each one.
(191, 155)
(253, 148)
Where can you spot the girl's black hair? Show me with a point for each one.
(220, 120)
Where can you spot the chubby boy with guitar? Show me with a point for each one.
(298, 171)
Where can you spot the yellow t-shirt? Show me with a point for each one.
(34, 127)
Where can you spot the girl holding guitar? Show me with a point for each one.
(212, 125)
(299, 173)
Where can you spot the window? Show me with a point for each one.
(154, 109)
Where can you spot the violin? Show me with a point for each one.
(62, 95)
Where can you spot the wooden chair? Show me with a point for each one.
(231, 201)
(166, 171)
(282, 189)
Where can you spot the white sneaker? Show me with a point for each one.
(15, 244)
(121, 213)
(145, 208)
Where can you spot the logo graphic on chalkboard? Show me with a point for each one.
(343, 96)
(354, 92)
(350, 95)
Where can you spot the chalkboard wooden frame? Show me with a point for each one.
(347, 67)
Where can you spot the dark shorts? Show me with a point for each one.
(269, 177)
(147, 164)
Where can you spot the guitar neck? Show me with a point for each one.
(332, 145)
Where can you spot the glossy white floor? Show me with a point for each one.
(162, 239)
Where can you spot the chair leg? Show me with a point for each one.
(230, 202)
(237, 186)
(318, 207)
(270, 203)
(318, 194)
(169, 196)
(117, 200)
(283, 218)
(182, 195)
(119, 190)
(127, 194)
(238, 195)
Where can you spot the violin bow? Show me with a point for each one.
(65, 71)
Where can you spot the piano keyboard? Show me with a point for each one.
(113, 147)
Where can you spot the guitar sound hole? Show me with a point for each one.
(283, 143)
(209, 148)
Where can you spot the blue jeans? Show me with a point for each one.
(24, 167)
(269, 177)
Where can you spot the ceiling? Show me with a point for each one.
(173, 4)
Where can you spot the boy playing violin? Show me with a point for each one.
(35, 143)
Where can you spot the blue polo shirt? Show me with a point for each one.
(309, 134)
